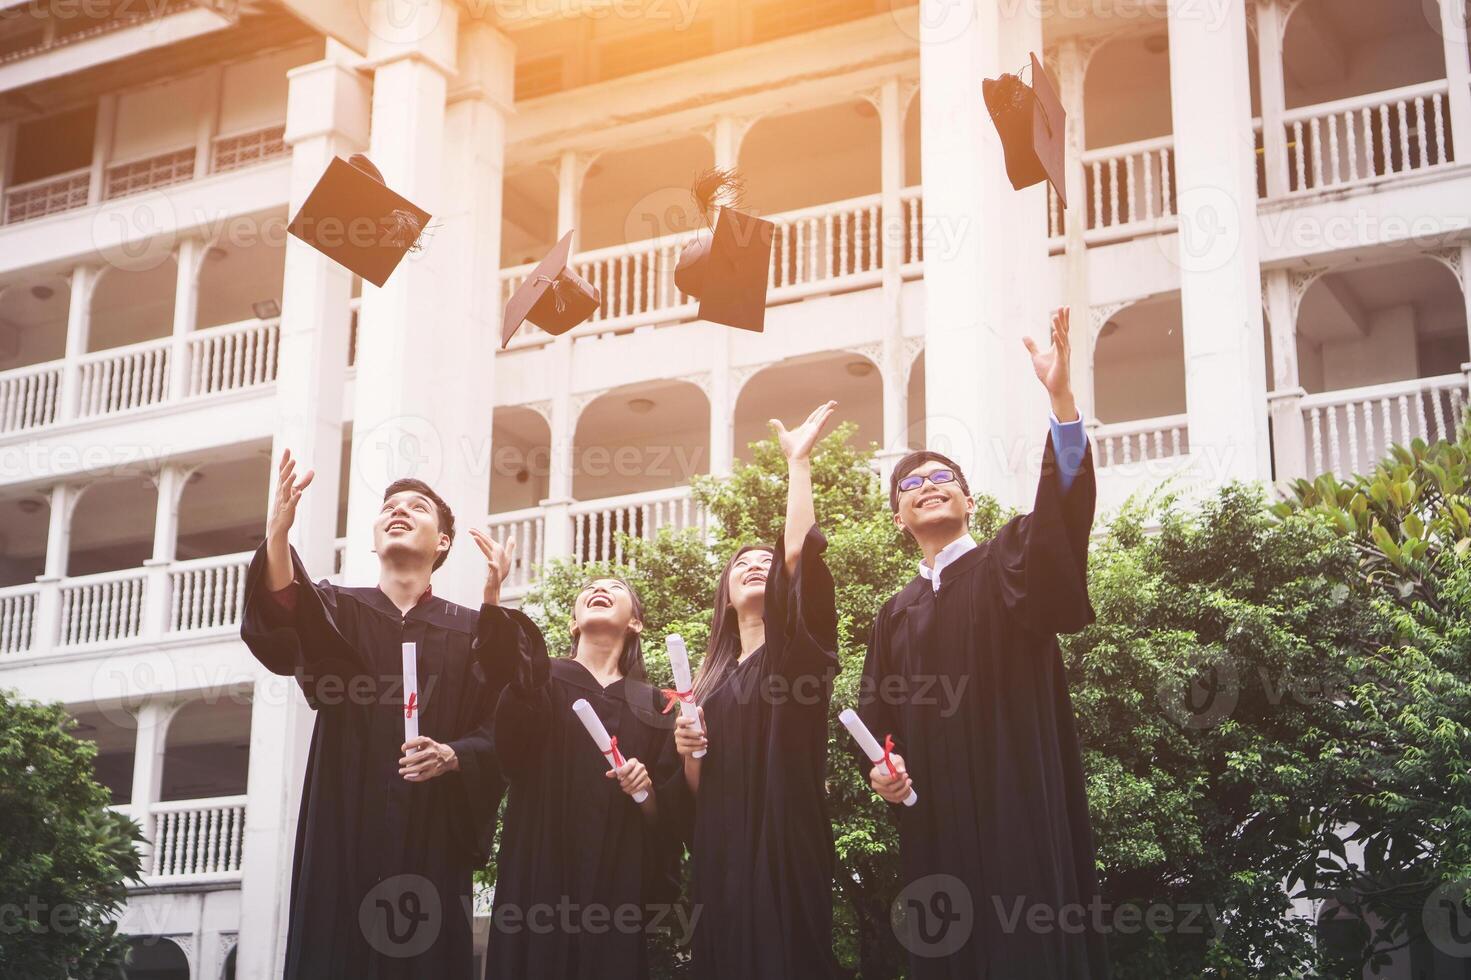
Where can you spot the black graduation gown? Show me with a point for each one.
(381, 880)
(579, 864)
(997, 770)
(762, 845)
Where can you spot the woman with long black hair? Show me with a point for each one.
(581, 863)
(762, 845)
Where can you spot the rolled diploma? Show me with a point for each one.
(679, 662)
(868, 744)
(411, 691)
(594, 726)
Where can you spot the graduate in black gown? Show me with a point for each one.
(964, 672)
(581, 866)
(762, 849)
(390, 831)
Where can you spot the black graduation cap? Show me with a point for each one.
(727, 268)
(357, 221)
(553, 297)
(1032, 126)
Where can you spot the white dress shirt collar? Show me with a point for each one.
(947, 555)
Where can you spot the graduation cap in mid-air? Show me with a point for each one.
(358, 221)
(727, 265)
(1032, 126)
(553, 297)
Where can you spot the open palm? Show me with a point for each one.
(797, 443)
(1051, 365)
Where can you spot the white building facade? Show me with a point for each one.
(1267, 252)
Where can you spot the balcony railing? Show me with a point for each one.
(1357, 140)
(207, 593)
(1129, 190)
(17, 618)
(528, 527)
(49, 196)
(123, 378)
(247, 149)
(232, 357)
(197, 839)
(1349, 431)
(597, 524)
(1122, 443)
(102, 608)
(149, 173)
(30, 396)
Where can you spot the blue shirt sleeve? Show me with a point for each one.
(1068, 443)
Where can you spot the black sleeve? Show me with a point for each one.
(514, 648)
(801, 612)
(480, 776)
(875, 697)
(1042, 557)
(307, 644)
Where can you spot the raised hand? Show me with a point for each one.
(1052, 365)
(499, 559)
(288, 492)
(797, 443)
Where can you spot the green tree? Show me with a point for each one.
(65, 858)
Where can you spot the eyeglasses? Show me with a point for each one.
(916, 481)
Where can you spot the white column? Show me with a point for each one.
(169, 485)
(326, 115)
(985, 406)
(7, 155)
(148, 757)
(1453, 33)
(1270, 26)
(207, 126)
(78, 329)
(1216, 248)
(726, 138)
(190, 259)
(556, 508)
(892, 366)
(102, 146)
(405, 423)
(1289, 435)
(1072, 69)
(58, 547)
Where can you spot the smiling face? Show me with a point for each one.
(407, 528)
(930, 510)
(605, 605)
(745, 579)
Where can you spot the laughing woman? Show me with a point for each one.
(580, 863)
(762, 846)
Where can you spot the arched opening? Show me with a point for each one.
(24, 518)
(228, 971)
(917, 416)
(132, 305)
(1126, 92)
(222, 510)
(643, 192)
(790, 390)
(241, 281)
(811, 157)
(155, 958)
(641, 438)
(33, 321)
(116, 745)
(112, 526)
(528, 215)
(520, 467)
(1139, 383)
(913, 172)
(207, 749)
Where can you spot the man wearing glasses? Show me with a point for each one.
(997, 856)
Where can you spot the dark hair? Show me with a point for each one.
(446, 516)
(912, 462)
(631, 660)
(724, 647)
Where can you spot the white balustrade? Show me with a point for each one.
(149, 173)
(1122, 443)
(102, 608)
(1349, 431)
(528, 527)
(123, 378)
(17, 618)
(197, 838)
(50, 195)
(911, 199)
(247, 149)
(1129, 189)
(207, 593)
(231, 357)
(1356, 140)
(30, 396)
(597, 524)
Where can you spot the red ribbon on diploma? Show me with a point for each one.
(888, 748)
(618, 759)
(411, 704)
(673, 697)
